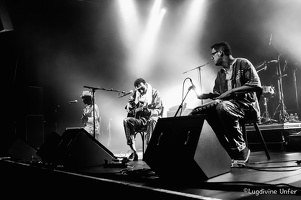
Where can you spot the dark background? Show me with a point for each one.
(53, 48)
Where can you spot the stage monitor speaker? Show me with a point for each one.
(81, 150)
(186, 148)
(23, 152)
(49, 150)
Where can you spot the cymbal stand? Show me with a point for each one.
(283, 115)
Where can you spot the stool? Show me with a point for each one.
(253, 120)
(142, 133)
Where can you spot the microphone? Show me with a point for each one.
(73, 101)
(126, 93)
(192, 84)
(271, 37)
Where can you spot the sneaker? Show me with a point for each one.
(133, 156)
(242, 156)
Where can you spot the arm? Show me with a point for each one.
(156, 107)
(130, 106)
(90, 114)
(239, 90)
(208, 96)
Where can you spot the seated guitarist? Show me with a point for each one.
(144, 108)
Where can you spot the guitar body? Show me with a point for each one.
(139, 110)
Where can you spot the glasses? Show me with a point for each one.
(140, 88)
(212, 54)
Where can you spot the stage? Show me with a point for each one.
(277, 178)
(276, 126)
(184, 160)
(282, 136)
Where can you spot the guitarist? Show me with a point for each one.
(87, 117)
(143, 110)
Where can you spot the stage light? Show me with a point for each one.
(182, 50)
(130, 24)
(145, 49)
(141, 60)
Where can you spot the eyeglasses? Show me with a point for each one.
(139, 88)
(212, 54)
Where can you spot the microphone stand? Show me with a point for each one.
(183, 99)
(200, 75)
(283, 115)
(93, 89)
(181, 105)
(200, 79)
(198, 67)
(120, 93)
(296, 89)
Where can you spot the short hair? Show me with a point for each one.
(138, 81)
(222, 46)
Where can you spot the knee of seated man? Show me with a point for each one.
(220, 107)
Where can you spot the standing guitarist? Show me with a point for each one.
(143, 108)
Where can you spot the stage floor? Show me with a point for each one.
(277, 178)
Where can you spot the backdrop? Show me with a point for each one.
(54, 48)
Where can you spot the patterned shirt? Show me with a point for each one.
(243, 73)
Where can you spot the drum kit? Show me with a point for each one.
(269, 92)
(283, 116)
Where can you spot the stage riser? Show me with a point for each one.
(278, 140)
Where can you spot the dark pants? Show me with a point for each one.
(131, 124)
(224, 118)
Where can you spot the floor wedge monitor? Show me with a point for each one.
(186, 148)
(81, 150)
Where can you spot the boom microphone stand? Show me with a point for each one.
(200, 74)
